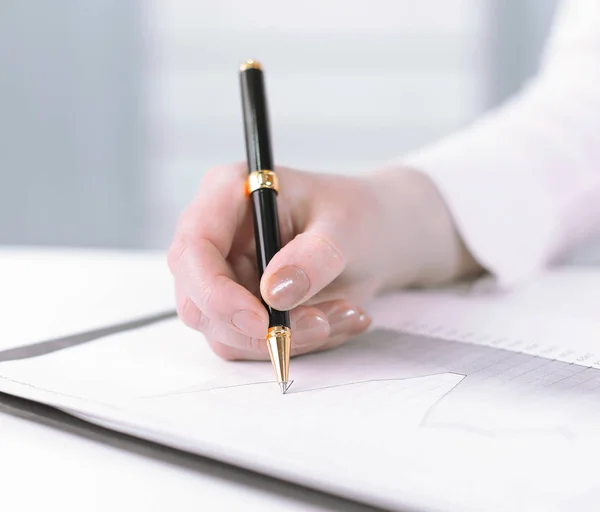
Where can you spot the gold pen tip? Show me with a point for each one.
(285, 386)
(250, 64)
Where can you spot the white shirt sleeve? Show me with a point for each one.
(523, 182)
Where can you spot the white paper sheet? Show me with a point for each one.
(393, 419)
(51, 293)
(477, 405)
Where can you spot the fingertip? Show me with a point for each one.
(344, 318)
(363, 322)
(285, 288)
(175, 253)
(301, 269)
(360, 322)
(310, 329)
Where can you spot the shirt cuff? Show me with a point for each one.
(499, 203)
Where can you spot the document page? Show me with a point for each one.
(53, 293)
(447, 404)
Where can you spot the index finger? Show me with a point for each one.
(198, 256)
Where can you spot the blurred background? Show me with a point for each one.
(111, 110)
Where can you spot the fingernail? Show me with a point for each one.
(249, 323)
(342, 320)
(364, 321)
(310, 328)
(287, 287)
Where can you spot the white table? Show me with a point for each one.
(50, 460)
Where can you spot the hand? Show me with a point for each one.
(343, 241)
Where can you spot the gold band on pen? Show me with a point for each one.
(262, 179)
(279, 342)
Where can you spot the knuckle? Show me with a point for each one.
(239, 170)
(213, 296)
(211, 174)
(208, 291)
(204, 294)
(332, 255)
(235, 179)
(231, 172)
(176, 253)
(187, 221)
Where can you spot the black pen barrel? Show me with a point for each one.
(260, 160)
(268, 242)
(256, 120)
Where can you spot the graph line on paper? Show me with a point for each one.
(390, 376)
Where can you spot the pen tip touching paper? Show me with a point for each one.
(285, 386)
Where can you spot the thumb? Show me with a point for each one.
(301, 269)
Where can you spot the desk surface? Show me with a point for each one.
(48, 458)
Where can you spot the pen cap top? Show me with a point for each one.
(250, 64)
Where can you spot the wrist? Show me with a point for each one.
(420, 243)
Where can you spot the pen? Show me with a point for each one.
(262, 185)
